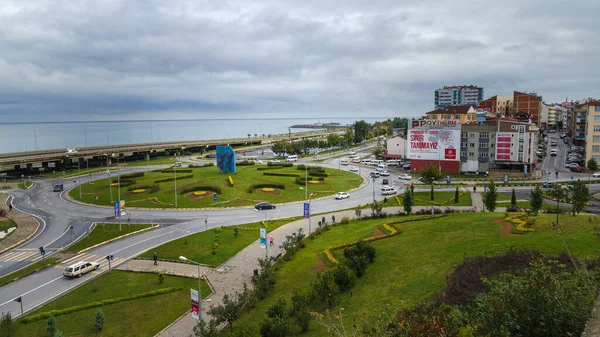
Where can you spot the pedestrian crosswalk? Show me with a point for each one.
(20, 255)
(91, 258)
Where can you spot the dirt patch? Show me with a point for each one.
(26, 225)
(506, 227)
(128, 194)
(320, 265)
(377, 233)
(191, 195)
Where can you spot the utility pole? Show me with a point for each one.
(175, 175)
(119, 193)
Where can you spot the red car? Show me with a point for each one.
(576, 169)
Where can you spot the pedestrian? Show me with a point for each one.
(9, 207)
(271, 240)
(474, 189)
(155, 259)
(323, 220)
(333, 218)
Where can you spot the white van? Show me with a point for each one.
(177, 164)
(387, 190)
(366, 161)
(381, 168)
(292, 157)
(344, 161)
(376, 162)
(80, 268)
(393, 162)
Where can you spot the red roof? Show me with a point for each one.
(463, 109)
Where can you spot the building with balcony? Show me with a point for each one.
(579, 122)
(460, 114)
(551, 116)
(463, 95)
(500, 105)
(592, 130)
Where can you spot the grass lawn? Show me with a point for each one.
(98, 192)
(6, 223)
(445, 198)
(27, 270)
(25, 185)
(143, 317)
(411, 266)
(65, 174)
(163, 160)
(103, 233)
(199, 245)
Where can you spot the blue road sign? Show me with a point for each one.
(215, 197)
(572, 177)
(506, 178)
(447, 179)
(306, 210)
(117, 208)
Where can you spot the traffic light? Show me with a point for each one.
(41, 249)
(18, 299)
(108, 257)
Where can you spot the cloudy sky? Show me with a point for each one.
(129, 59)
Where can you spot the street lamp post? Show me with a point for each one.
(373, 180)
(183, 258)
(175, 175)
(109, 180)
(119, 193)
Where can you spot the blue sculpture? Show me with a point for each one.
(225, 158)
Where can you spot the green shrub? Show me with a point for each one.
(184, 170)
(123, 183)
(281, 174)
(130, 176)
(193, 166)
(282, 164)
(317, 174)
(164, 180)
(152, 188)
(264, 168)
(59, 312)
(251, 188)
(244, 163)
(302, 180)
(99, 319)
(161, 277)
(190, 189)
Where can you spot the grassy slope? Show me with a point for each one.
(103, 233)
(142, 317)
(199, 246)
(411, 266)
(6, 224)
(99, 192)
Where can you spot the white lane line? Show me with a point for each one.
(32, 290)
(43, 222)
(26, 256)
(71, 259)
(14, 257)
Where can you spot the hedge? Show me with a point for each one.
(281, 174)
(152, 188)
(244, 163)
(316, 169)
(130, 176)
(186, 170)
(264, 168)
(303, 167)
(215, 189)
(201, 165)
(124, 183)
(59, 312)
(255, 186)
(282, 164)
(318, 174)
(164, 180)
(302, 180)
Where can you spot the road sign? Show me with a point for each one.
(447, 179)
(117, 209)
(122, 207)
(215, 197)
(306, 210)
(263, 238)
(572, 177)
(506, 178)
(195, 304)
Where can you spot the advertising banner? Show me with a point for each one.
(263, 238)
(195, 304)
(434, 140)
(117, 211)
(503, 141)
(306, 210)
(122, 207)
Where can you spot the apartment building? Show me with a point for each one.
(458, 96)
(500, 105)
(529, 103)
(578, 124)
(551, 116)
(498, 145)
(460, 114)
(592, 129)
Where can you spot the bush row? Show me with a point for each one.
(130, 176)
(302, 180)
(281, 174)
(264, 168)
(45, 315)
(317, 174)
(152, 188)
(123, 183)
(255, 186)
(215, 189)
(303, 167)
(282, 164)
(201, 165)
(244, 163)
(185, 170)
(164, 180)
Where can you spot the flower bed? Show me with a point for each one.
(141, 190)
(268, 189)
(199, 193)
(231, 181)
(520, 222)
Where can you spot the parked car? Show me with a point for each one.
(275, 161)
(211, 155)
(405, 177)
(80, 268)
(264, 205)
(342, 195)
(353, 169)
(374, 174)
(547, 185)
(596, 175)
(571, 165)
(406, 166)
(576, 169)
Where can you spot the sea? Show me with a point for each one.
(32, 136)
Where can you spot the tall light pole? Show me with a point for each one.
(373, 180)
(109, 180)
(119, 193)
(183, 258)
(175, 175)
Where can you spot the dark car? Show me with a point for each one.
(264, 205)
(211, 155)
(58, 187)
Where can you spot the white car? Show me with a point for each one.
(356, 160)
(80, 268)
(572, 165)
(259, 162)
(405, 177)
(275, 161)
(596, 175)
(344, 161)
(384, 174)
(353, 169)
(342, 195)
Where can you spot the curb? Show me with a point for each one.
(27, 238)
(117, 238)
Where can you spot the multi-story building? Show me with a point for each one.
(395, 148)
(551, 116)
(529, 103)
(458, 96)
(460, 114)
(500, 105)
(592, 130)
(579, 122)
(498, 145)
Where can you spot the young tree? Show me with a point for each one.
(99, 319)
(592, 165)
(408, 201)
(228, 311)
(513, 199)
(431, 196)
(300, 309)
(204, 329)
(276, 324)
(6, 325)
(536, 199)
(412, 187)
(51, 325)
(580, 195)
(490, 198)
(456, 195)
(430, 174)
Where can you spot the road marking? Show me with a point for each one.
(73, 258)
(14, 257)
(6, 256)
(30, 291)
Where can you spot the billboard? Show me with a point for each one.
(225, 159)
(503, 145)
(434, 140)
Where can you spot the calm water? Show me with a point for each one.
(46, 136)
